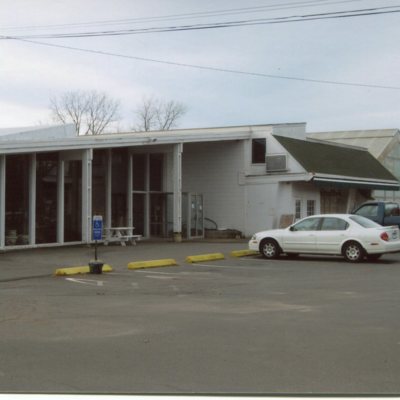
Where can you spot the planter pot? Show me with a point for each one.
(96, 267)
(177, 237)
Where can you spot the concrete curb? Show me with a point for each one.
(20, 278)
(205, 257)
(244, 253)
(79, 270)
(167, 262)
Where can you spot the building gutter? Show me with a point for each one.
(107, 141)
(347, 181)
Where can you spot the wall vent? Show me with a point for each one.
(276, 163)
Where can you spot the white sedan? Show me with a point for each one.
(351, 236)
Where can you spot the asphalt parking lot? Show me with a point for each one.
(315, 325)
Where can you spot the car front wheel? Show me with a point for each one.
(353, 252)
(270, 249)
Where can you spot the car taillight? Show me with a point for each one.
(384, 236)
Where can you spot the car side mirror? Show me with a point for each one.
(292, 228)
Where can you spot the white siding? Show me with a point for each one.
(237, 194)
(260, 207)
(217, 171)
(266, 202)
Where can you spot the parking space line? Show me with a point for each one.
(90, 282)
(159, 277)
(231, 266)
(157, 272)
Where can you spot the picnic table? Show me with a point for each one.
(121, 234)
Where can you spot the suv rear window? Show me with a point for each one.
(369, 210)
(392, 210)
(364, 222)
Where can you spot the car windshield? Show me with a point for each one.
(364, 222)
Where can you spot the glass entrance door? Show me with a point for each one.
(196, 215)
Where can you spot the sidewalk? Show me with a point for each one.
(40, 262)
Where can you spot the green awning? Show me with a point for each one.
(353, 183)
(341, 161)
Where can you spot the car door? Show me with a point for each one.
(331, 235)
(302, 236)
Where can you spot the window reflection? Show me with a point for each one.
(46, 197)
(17, 200)
(73, 201)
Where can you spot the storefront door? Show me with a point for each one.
(196, 215)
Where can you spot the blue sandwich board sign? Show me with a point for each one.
(97, 227)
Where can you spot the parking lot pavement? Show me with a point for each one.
(21, 264)
(315, 325)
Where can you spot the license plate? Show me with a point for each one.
(394, 235)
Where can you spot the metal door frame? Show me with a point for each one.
(189, 215)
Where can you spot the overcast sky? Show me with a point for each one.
(359, 50)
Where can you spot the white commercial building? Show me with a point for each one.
(175, 183)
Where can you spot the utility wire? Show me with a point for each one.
(215, 69)
(202, 14)
(278, 20)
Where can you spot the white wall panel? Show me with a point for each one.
(215, 170)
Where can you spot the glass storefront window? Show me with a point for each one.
(156, 172)
(46, 197)
(119, 187)
(138, 212)
(157, 214)
(139, 172)
(73, 201)
(17, 200)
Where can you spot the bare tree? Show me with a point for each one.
(155, 114)
(146, 115)
(91, 112)
(101, 112)
(69, 107)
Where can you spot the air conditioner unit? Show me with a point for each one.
(276, 163)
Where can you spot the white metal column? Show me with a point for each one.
(129, 201)
(32, 199)
(177, 187)
(108, 193)
(87, 195)
(60, 199)
(2, 200)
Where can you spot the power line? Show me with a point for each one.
(201, 14)
(215, 69)
(277, 20)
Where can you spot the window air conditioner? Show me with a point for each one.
(276, 163)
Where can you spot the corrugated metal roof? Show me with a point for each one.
(375, 140)
(40, 132)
